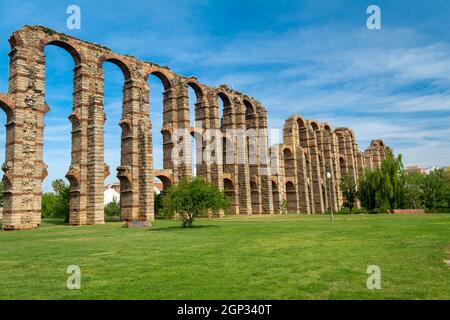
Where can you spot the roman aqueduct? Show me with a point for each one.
(258, 178)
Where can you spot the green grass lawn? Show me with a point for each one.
(277, 257)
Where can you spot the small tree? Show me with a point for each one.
(349, 191)
(49, 201)
(112, 209)
(192, 198)
(61, 206)
(159, 203)
(413, 190)
(384, 188)
(434, 188)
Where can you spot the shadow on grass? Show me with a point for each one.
(180, 228)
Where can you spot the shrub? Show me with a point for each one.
(49, 200)
(57, 204)
(159, 204)
(383, 189)
(112, 209)
(192, 198)
(349, 191)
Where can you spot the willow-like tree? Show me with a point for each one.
(384, 189)
(349, 192)
(192, 198)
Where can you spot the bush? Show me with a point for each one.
(112, 209)
(159, 204)
(192, 198)
(349, 191)
(49, 200)
(384, 189)
(57, 204)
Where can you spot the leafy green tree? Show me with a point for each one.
(435, 190)
(413, 190)
(159, 203)
(192, 198)
(112, 209)
(367, 190)
(56, 204)
(349, 191)
(384, 189)
(62, 208)
(49, 201)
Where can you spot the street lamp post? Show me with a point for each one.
(329, 191)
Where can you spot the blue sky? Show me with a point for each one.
(315, 58)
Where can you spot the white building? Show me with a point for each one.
(113, 191)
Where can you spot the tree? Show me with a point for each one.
(349, 191)
(57, 204)
(62, 207)
(49, 201)
(435, 190)
(192, 198)
(413, 190)
(159, 203)
(384, 188)
(112, 209)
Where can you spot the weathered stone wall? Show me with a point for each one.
(234, 150)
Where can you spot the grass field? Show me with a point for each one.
(278, 257)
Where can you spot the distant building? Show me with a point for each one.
(113, 191)
(417, 169)
(422, 170)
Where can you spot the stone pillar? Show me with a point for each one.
(315, 173)
(24, 168)
(183, 134)
(78, 171)
(145, 158)
(95, 160)
(243, 172)
(136, 169)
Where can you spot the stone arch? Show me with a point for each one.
(75, 173)
(303, 134)
(289, 162)
(197, 89)
(166, 179)
(6, 104)
(327, 128)
(314, 125)
(119, 62)
(76, 55)
(165, 78)
(226, 101)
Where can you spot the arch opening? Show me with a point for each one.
(161, 138)
(60, 60)
(115, 129)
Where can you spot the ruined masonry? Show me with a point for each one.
(294, 181)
